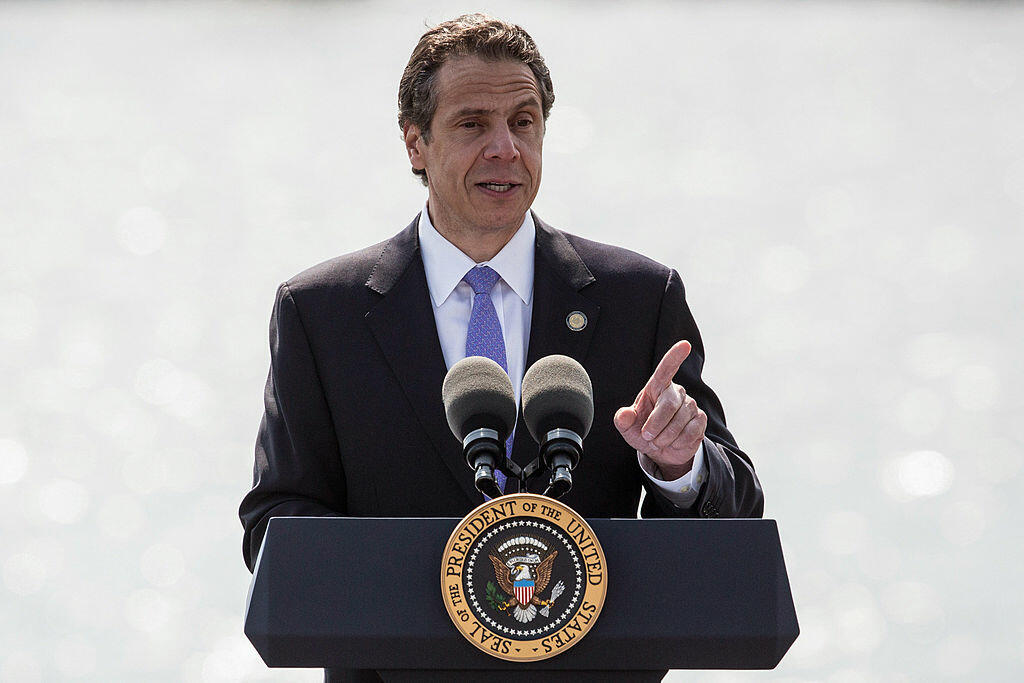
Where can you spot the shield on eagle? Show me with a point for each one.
(523, 591)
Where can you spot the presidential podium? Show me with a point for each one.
(365, 593)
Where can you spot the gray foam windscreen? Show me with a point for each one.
(478, 387)
(557, 389)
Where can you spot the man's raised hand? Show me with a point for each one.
(664, 423)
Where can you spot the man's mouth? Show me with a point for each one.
(498, 187)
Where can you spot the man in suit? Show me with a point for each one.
(360, 344)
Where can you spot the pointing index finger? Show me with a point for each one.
(667, 368)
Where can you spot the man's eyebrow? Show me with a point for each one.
(468, 111)
(471, 111)
(527, 102)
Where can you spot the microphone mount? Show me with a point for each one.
(484, 452)
(560, 451)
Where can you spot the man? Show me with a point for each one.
(360, 344)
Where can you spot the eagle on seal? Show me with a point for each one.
(523, 582)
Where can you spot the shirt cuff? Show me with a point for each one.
(681, 492)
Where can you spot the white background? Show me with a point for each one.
(840, 185)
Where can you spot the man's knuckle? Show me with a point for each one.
(668, 435)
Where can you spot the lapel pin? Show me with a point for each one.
(576, 321)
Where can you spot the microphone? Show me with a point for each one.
(558, 408)
(481, 409)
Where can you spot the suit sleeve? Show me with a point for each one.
(297, 471)
(731, 488)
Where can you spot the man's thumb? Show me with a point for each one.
(624, 418)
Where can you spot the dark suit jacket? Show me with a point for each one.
(354, 423)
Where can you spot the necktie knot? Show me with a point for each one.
(481, 279)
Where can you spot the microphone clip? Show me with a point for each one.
(484, 451)
(560, 451)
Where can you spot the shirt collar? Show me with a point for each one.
(445, 264)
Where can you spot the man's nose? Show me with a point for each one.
(502, 145)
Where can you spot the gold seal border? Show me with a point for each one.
(453, 567)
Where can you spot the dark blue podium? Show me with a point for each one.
(364, 593)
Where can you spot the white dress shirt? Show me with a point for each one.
(445, 265)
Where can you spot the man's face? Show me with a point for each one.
(483, 160)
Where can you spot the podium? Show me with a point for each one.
(365, 593)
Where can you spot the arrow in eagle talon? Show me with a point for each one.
(555, 592)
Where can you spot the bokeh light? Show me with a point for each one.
(64, 501)
(918, 474)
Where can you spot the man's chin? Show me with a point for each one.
(503, 222)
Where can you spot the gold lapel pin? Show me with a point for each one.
(576, 321)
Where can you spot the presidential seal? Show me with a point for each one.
(523, 577)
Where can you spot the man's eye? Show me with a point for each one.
(469, 124)
(523, 123)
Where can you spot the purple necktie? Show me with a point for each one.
(484, 338)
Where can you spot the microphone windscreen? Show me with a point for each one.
(477, 393)
(557, 394)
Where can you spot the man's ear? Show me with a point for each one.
(413, 142)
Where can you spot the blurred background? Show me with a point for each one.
(841, 186)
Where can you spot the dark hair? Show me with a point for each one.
(471, 34)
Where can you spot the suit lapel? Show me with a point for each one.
(403, 324)
(559, 275)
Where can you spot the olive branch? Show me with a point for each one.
(495, 597)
